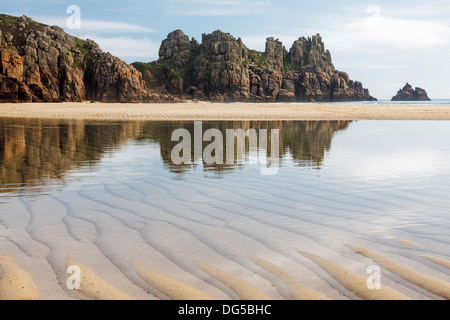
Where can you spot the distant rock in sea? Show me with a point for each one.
(410, 94)
(41, 63)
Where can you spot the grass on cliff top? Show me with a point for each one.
(86, 52)
(256, 58)
(81, 45)
(153, 73)
(6, 19)
(9, 24)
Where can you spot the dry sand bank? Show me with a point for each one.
(225, 111)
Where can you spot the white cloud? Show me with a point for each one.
(369, 65)
(209, 2)
(127, 48)
(88, 25)
(206, 8)
(378, 29)
(401, 33)
(429, 10)
(211, 12)
(112, 26)
(383, 67)
(371, 29)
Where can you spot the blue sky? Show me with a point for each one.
(383, 44)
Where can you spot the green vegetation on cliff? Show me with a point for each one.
(155, 73)
(81, 45)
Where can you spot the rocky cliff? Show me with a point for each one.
(222, 68)
(41, 63)
(410, 94)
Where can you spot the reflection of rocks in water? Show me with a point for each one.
(308, 141)
(33, 149)
(305, 141)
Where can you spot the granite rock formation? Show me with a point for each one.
(410, 94)
(41, 63)
(222, 68)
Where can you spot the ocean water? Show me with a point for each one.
(425, 103)
(108, 194)
(389, 102)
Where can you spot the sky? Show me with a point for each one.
(382, 44)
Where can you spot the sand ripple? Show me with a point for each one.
(242, 288)
(438, 287)
(172, 288)
(15, 282)
(354, 282)
(94, 287)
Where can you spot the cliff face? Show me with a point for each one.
(222, 68)
(410, 94)
(40, 63)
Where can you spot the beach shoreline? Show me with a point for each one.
(206, 111)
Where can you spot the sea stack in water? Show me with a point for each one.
(410, 94)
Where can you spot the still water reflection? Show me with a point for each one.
(34, 151)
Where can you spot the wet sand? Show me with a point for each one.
(136, 248)
(225, 111)
(168, 252)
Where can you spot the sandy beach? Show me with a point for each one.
(225, 111)
(134, 234)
